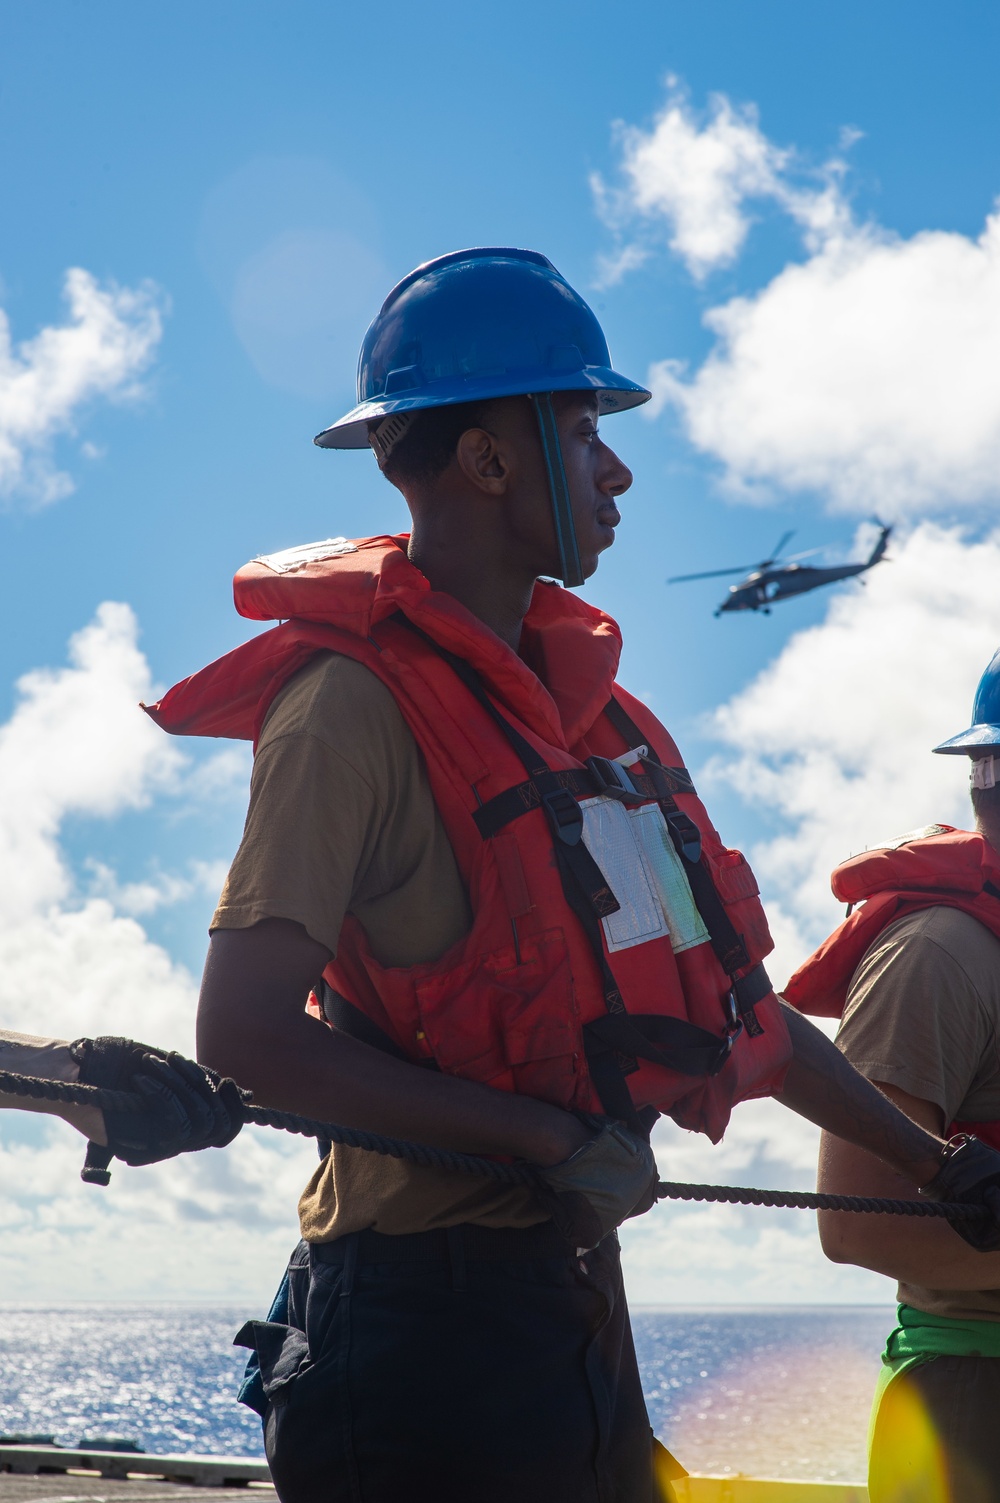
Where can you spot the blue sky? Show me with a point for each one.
(241, 183)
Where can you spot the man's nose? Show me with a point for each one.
(616, 477)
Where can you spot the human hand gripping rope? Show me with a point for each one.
(177, 1106)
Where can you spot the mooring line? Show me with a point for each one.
(75, 1094)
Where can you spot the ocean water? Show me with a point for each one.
(163, 1375)
(772, 1392)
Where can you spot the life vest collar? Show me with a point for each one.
(948, 869)
(937, 856)
(571, 649)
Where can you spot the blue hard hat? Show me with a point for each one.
(983, 734)
(476, 324)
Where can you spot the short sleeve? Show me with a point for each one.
(915, 1018)
(311, 826)
(342, 820)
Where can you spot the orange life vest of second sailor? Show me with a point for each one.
(939, 867)
(614, 960)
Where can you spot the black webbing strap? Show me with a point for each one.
(728, 945)
(751, 989)
(561, 808)
(659, 781)
(524, 797)
(347, 1018)
(628, 730)
(600, 776)
(671, 1042)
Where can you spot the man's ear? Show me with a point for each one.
(483, 461)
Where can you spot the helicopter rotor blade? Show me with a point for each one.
(783, 543)
(710, 574)
(809, 553)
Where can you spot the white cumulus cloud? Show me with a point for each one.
(218, 1224)
(697, 180)
(158, 890)
(74, 959)
(697, 1253)
(100, 351)
(76, 744)
(866, 372)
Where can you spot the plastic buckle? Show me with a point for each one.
(564, 815)
(613, 781)
(688, 834)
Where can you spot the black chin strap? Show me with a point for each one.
(562, 512)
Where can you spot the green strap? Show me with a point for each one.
(562, 508)
(919, 1337)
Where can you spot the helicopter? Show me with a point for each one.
(772, 579)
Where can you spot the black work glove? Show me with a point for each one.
(605, 1182)
(186, 1105)
(970, 1175)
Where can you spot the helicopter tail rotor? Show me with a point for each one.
(878, 552)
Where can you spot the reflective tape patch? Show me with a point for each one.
(290, 559)
(634, 851)
(687, 928)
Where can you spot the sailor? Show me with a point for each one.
(485, 866)
(185, 1106)
(915, 972)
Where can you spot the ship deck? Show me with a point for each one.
(42, 1474)
(90, 1487)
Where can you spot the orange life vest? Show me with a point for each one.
(562, 989)
(939, 867)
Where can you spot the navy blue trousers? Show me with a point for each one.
(466, 1366)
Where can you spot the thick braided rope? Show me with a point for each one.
(470, 1163)
(73, 1095)
(263, 1116)
(396, 1148)
(803, 1200)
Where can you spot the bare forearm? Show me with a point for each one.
(307, 1068)
(47, 1059)
(824, 1087)
(252, 1025)
(924, 1252)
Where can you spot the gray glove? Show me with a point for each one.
(607, 1180)
(970, 1175)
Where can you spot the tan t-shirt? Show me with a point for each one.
(923, 1013)
(342, 820)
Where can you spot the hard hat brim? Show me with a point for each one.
(615, 394)
(977, 739)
